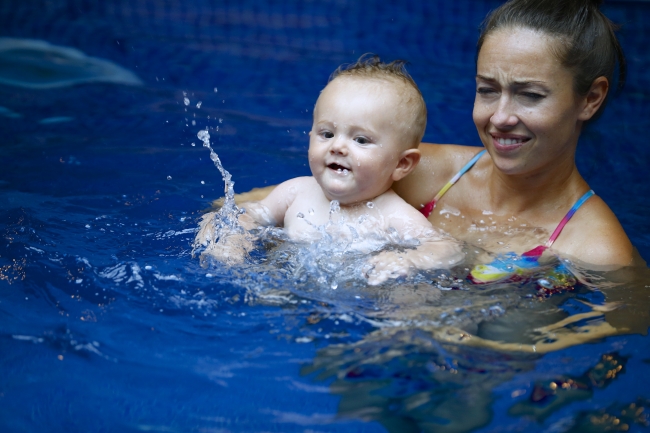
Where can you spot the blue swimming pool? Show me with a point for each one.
(107, 321)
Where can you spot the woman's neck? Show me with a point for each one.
(527, 194)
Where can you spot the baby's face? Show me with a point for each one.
(357, 138)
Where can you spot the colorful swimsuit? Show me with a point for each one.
(507, 266)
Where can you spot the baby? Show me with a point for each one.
(368, 123)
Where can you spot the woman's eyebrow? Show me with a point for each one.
(484, 78)
(523, 82)
(528, 82)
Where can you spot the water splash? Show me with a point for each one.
(226, 219)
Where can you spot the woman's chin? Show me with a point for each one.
(510, 166)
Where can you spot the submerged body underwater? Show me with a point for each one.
(109, 322)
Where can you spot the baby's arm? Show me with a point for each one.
(435, 250)
(232, 245)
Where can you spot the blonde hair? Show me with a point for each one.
(370, 66)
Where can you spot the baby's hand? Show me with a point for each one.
(205, 235)
(231, 248)
(387, 265)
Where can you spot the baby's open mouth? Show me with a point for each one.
(337, 167)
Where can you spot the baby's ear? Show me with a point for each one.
(409, 159)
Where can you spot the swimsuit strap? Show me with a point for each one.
(568, 216)
(537, 251)
(428, 208)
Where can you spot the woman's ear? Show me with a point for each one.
(408, 160)
(595, 98)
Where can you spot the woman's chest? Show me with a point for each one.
(474, 222)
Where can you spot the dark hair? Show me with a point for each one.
(370, 66)
(586, 43)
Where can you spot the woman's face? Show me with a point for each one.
(526, 111)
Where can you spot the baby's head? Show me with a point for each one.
(368, 123)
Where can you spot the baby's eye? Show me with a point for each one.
(362, 140)
(326, 134)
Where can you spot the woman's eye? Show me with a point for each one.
(533, 96)
(362, 140)
(485, 90)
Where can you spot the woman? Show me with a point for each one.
(544, 70)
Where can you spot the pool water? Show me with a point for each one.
(109, 323)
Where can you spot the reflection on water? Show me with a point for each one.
(38, 64)
(427, 353)
(435, 345)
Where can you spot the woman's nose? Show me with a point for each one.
(504, 114)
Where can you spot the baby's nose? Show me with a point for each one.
(339, 146)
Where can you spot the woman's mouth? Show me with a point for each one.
(506, 144)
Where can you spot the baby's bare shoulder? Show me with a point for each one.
(293, 187)
(400, 215)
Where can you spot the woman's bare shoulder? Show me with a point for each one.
(438, 164)
(596, 237)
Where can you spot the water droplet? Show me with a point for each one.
(215, 90)
(202, 182)
(169, 178)
(203, 135)
(198, 104)
(311, 211)
(334, 286)
(193, 122)
(220, 120)
(186, 101)
(193, 144)
(370, 205)
(300, 215)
